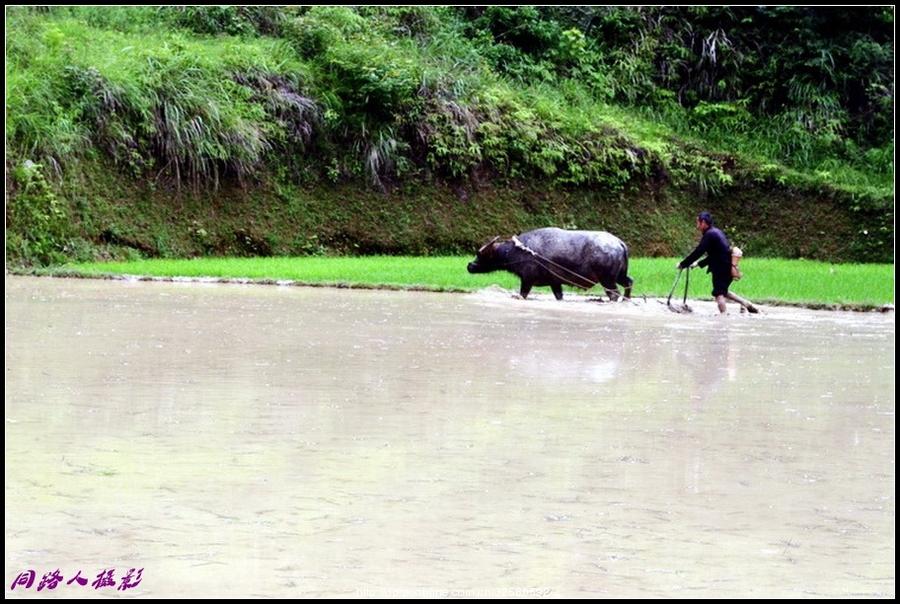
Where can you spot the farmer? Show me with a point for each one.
(718, 256)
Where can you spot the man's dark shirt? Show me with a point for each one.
(718, 250)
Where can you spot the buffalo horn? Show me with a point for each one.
(488, 244)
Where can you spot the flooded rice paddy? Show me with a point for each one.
(280, 441)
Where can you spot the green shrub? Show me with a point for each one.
(230, 20)
(36, 218)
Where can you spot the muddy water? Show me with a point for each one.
(280, 441)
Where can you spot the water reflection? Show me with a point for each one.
(288, 441)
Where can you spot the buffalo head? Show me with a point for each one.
(485, 259)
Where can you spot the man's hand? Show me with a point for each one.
(678, 266)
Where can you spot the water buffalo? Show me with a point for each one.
(555, 257)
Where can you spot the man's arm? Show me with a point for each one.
(698, 251)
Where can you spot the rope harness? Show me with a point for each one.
(586, 283)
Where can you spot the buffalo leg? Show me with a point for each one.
(611, 290)
(626, 282)
(524, 289)
(557, 290)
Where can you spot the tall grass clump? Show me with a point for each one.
(194, 109)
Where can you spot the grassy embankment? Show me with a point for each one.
(800, 282)
(220, 131)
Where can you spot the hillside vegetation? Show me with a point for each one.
(182, 131)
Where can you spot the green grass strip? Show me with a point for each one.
(770, 280)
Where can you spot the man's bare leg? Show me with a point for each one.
(720, 300)
(745, 303)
